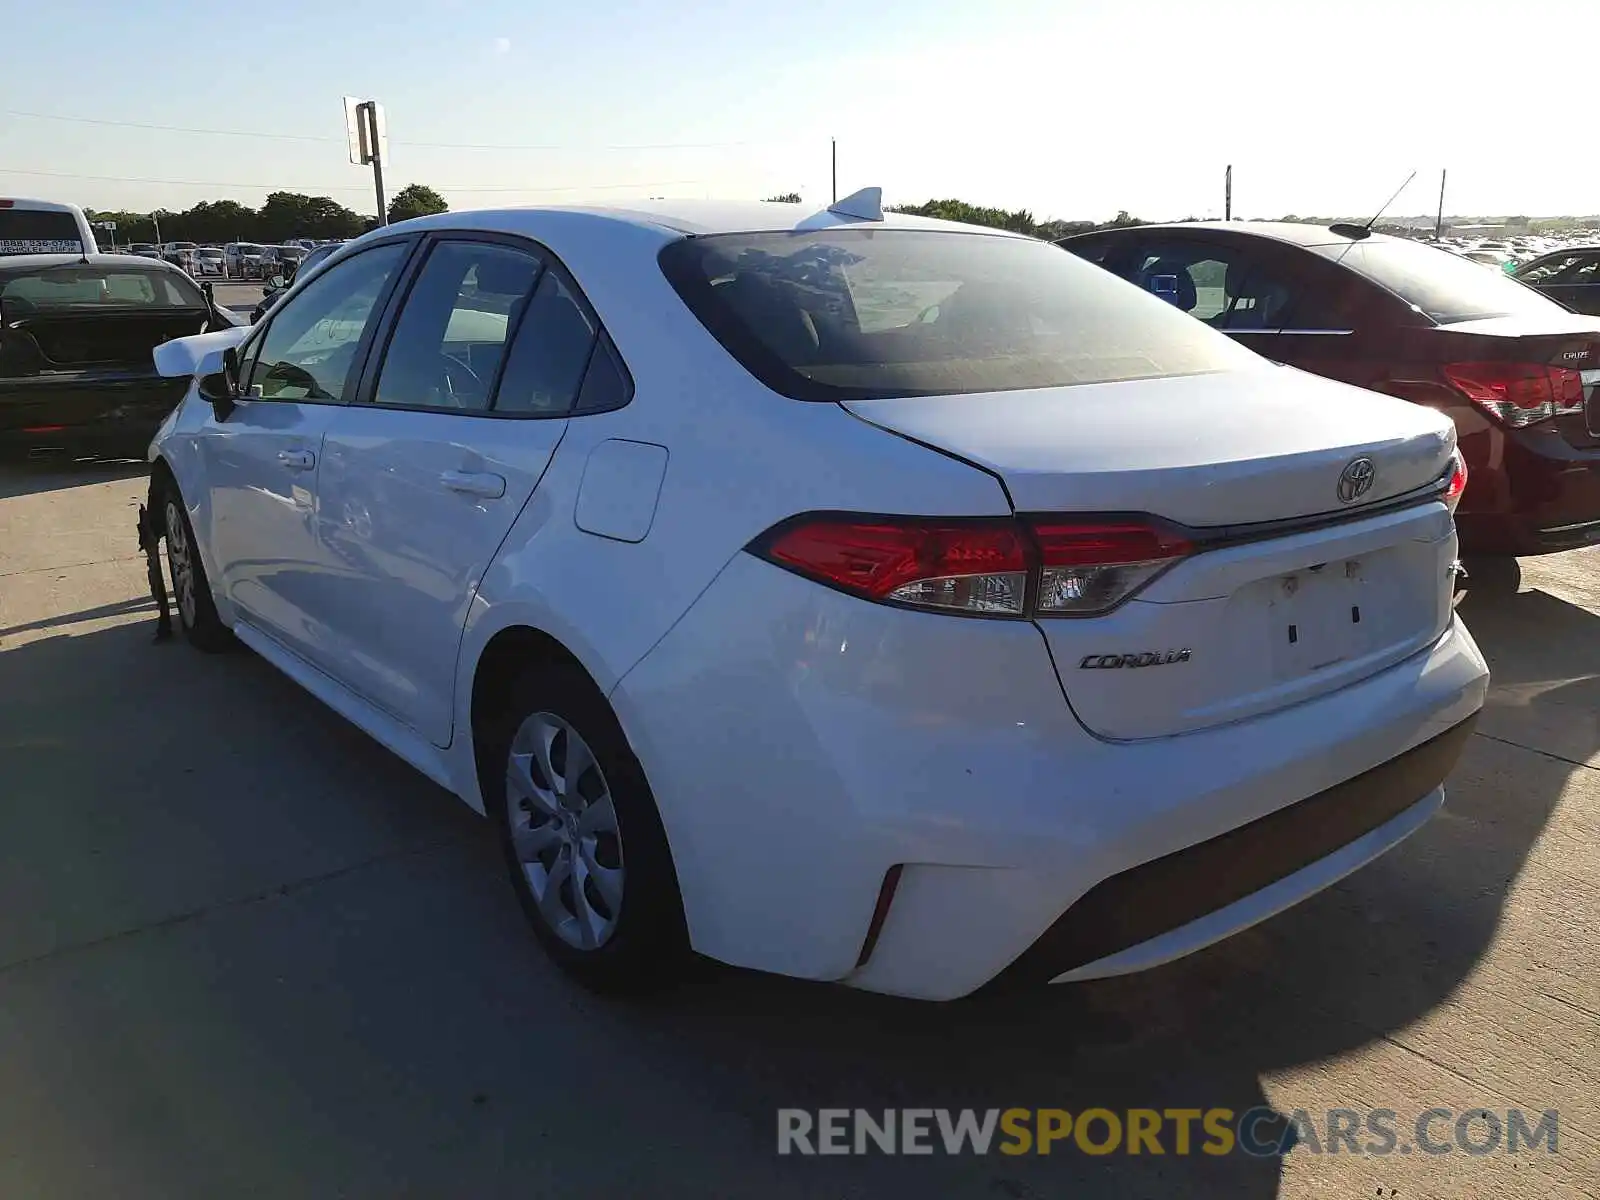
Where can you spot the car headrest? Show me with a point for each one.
(506, 275)
(774, 314)
(1186, 296)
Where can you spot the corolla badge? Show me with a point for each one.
(1355, 481)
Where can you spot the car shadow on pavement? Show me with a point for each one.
(222, 905)
(30, 477)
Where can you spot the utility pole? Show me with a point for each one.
(1438, 223)
(834, 143)
(156, 221)
(1227, 194)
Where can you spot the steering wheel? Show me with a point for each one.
(458, 380)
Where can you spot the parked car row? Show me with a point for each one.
(863, 597)
(236, 260)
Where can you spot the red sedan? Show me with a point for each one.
(1518, 372)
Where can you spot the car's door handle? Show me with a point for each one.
(297, 460)
(475, 483)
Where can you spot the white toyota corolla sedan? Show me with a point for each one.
(834, 593)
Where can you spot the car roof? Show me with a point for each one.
(1293, 232)
(12, 265)
(32, 205)
(692, 218)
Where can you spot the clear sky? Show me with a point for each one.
(1071, 108)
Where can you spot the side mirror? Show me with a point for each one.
(277, 283)
(221, 386)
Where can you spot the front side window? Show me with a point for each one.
(841, 314)
(310, 346)
(1547, 270)
(447, 344)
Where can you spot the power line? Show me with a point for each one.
(286, 137)
(306, 137)
(359, 187)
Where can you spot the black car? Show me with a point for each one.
(276, 285)
(76, 340)
(1571, 276)
(1518, 373)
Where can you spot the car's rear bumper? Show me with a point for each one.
(1530, 493)
(1172, 905)
(801, 743)
(85, 409)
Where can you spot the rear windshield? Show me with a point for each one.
(847, 314)
(28, 231)
(1445, 286)
(76, 288)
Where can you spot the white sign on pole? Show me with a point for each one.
(355, 129)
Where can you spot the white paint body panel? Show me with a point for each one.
(409, 521)
(790, 731)
(1218, 449)
(867, 736)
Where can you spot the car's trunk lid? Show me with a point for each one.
(46, 341)
(1291, 592)
(1220, 449)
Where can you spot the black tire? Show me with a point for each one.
(647, 947)
(1496, 574)
(197, 618)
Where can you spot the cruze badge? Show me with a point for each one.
(1150, 658)
(1355, 481)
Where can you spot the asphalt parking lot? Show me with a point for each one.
(239, 296)
(245, 952)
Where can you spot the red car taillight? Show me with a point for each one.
(1458, 480)
(981, 567)
(1518, 394)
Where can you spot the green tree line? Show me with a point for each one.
(282, 216)
(1016, 220)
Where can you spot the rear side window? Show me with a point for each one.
(843, 314)
(1444, 286)
(78, 287)
(549, 354)
(31, 231)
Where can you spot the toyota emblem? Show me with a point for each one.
(1355, 481)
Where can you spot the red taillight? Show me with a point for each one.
(980, 567)
(1458, 480)
(970, 566)
(1518, 394)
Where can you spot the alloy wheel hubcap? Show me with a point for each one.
(180, 562)
(564, 830)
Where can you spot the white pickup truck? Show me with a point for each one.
(44, 227)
